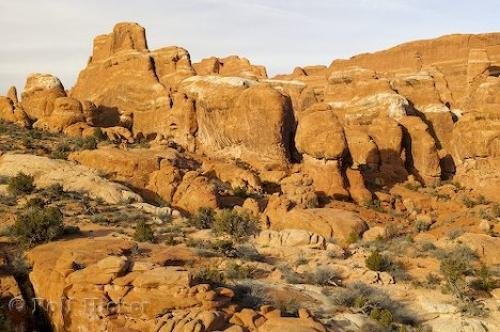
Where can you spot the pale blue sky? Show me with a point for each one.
(55, 36)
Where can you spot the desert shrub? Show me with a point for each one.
(86, 143)
(54, 191)
(20, 184)
(249, 294)
(427, 246)
(383, 316)
(422, 226)
(468, 203)
(375, 205)
(483, 280)
(481, 200)
(301, 260)
(432, 280)
(455, 233)
(9, 200)
(170, 240)
(249, 253)
(288, 307)
(208, 275)
(352, 238)
(237, 225)
(312, 203)
(203, 219)
(61, 151)
(391, 231)
(224, 248)
(413, 186)
(35, 202)
(377, 261)
(143, 232)
(495, 211)
(323, 276)
(290, 275)
(99, 135)
(398, 271)
(241, 192)
(236, 271)
(196, 243)
(455, 264)
(71, 230)
(372, 302)
(35, 225)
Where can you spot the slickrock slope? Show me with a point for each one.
(375, 169)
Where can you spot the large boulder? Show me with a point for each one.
(229, 66)
(40, 92)
(9, 112)
(421, 148)
(327, 222)
(71, 177)
(96, 285)
(239, 118)
(150, 171)
(67, 111)
(320, 135)
(120, 77)
(195, 192)
(172, 65)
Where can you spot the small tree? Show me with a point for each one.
(35, 225)
(237, 225)
(21, 184)
(377, 262)
(143, 232)
(203, 219)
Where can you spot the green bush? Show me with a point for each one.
(323, 276)
(86, 143)
(454, 266)
(422, 226)
(224, 248)
(203, 219)
(53, 192)
(377, 262)
(236, 271)
(21, 184)
(484, 280)
(353, 237)
(143, 232)
(374, 205)
(373, 302)
(469, 203)
(249, 253)
(241, 192)
(170, 240)
(288, 307)
(495, 211)
(35, 201)
(61, 151)
(36, 225)
(99, 134)
(237, 225)
(383, 316)
(208, 275)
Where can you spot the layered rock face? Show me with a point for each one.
(126, 80)
(425, 108)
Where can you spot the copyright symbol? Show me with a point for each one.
(17, 304)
